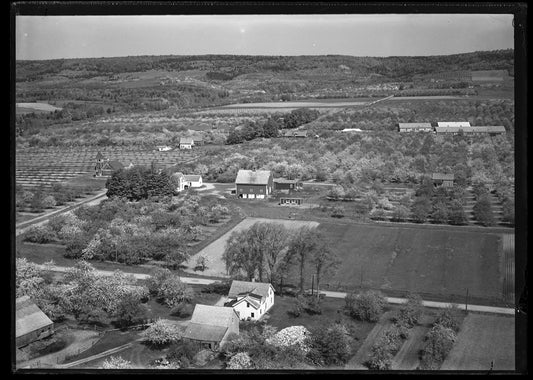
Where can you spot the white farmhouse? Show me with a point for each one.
(186, 142)
(192, 180)
(251, 300)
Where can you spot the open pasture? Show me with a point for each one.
(439, 264)
(22, 108)
(482, 339)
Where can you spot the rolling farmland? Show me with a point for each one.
(436, 263)
(44, 167)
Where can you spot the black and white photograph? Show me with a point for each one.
(257, 189)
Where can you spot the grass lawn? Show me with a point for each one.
(483, 338)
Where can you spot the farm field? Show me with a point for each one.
(434, 262)
(483, 338)
(22, 108)
(215, 250)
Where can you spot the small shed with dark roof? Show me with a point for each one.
(212, 325)
(287, 184)
(31, 323)
(442, 179)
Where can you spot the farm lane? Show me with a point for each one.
(327, 293)
(21, 227)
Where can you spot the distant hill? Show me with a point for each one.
(228, 67)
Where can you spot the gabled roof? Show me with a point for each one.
(177, 174)
(414, 125)
(255, 302)
(443, 177)
(206, 333)
(242, 287)
(99, 156)
(284, 180)
(461, 124)
(29, 317)
(488, 129)
(212, 315)
(115, 165)
(257, 177)
(192, 177)
(186, 140)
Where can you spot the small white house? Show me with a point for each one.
(163, 148)
(192, 180)
(186, 143)
(251, 300)
(178, 179)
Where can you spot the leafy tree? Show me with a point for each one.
(39, 234)
(410, 313)
(483, 211)
(201, 262)
(28, 278)
(161, 332)
(440, 213)
(420, 209)
(366, 306)
(331, 345)
(457, 213)
(323, 259)
(450, 318)
(139, 183)
(439, 342)
(508, 209)
(240, 360)
(130, 310)
(400, 213)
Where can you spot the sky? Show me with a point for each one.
(378, 35)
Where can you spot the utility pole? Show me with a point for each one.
(312, 284)
(466, 304)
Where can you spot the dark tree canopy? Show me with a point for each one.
(138, 183)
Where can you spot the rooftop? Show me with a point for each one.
(442, 176)
(453, 124)
(257, 177)
(192, 177)
(244, 287)
(186, 140)
(29, 317)
(414, 125)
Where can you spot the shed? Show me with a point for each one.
(459, 124)
(212, 325)
(192, 180)
(415, 127)
(287, 184)
(31, 323)
(442, 179)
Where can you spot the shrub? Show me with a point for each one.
(182, 310)
(217, 287)
(39, 234)
(48, 201)
(337, 212)
(449, 318)
(366, 306)
(161, 332)
(400, 214)
(330, 345)
(409, 313)
(116, 362)
(378, 214)
(297, 308)
(380, 358)
(439, 341)
(312, 305)
(483, 211)
(240, 360)
(184, 352)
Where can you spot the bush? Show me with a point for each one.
(39, 234)
(330, 345)
(182, 310)
(378, 214)
(400, 214)
(48, 202)
(161, 332)
(366, 306)
(297, 308)
(337, 212)
(240, 360)
(439, 341)
(312, 305)
(380, 358)
(116, 362)
(450, 318)
(184, 352)
(483, 211)
(217, 288)
(409, 313)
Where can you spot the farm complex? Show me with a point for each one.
(262, 212)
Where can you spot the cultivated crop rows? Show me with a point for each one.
(44, 167)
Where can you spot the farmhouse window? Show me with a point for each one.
(260, 190)
(247, 304)
(252, 315)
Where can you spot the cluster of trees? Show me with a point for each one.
(83, 294)
(130, 233)
(39, 199)
(139, 183)
(268, 252)
(271, 127)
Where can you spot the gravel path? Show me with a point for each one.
(407, 357)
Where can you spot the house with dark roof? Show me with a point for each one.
(415, 127)
(31, 323)
(250, 299)
(211, 326)
(254, 184)
(105, 167)
(441, 179)
(186, 142)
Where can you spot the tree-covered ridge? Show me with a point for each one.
(226, 67)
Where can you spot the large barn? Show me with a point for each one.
(254, 184)
(31, 323)
(211, 326)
